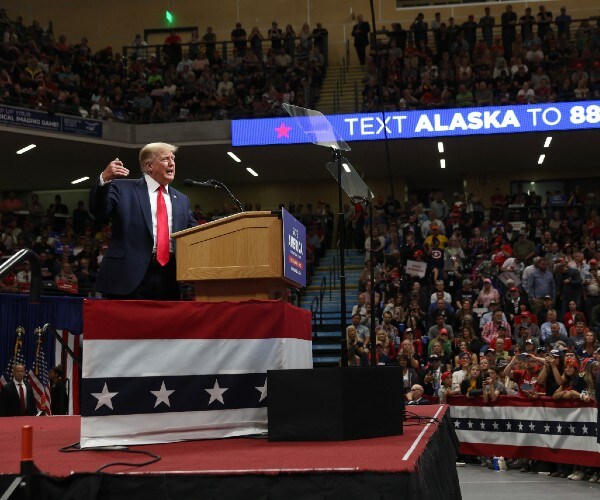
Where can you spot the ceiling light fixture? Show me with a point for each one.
(25, 149)
(442, 163)
(77, 181)
(234, 156)
(548, 141)
(252, 171)
(532, 183)
(346, 167)
(541, 159)
(441, 147)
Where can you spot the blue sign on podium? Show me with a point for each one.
(294, 249)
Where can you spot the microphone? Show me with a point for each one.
(191, 182)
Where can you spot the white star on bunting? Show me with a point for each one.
(162, 396)
(263, 391)
(216, 393)
(104, 398)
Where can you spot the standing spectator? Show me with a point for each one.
(172, 48)
(494, 328)
(319, 36)
(563, 24)
(488, 294)
(469, 29)
(276, 36)
(419, 28)
(256, 39)
(238, 37)
(546, 327)
(289, 40)
(508, 21)
(524, 248)
(526, 21)
(210, 43)
(544, 19)
(486, 23)
(540, 283)
(59, 402)
(472, 385)
(360, 32)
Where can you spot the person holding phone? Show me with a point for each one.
(492, 387)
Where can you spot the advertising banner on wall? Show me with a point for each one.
(451, 122)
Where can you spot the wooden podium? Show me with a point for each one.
(239, 257)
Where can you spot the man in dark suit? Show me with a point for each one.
(16, 397)
(140, 262)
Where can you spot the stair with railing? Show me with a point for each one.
(341, 90)
(323, 299)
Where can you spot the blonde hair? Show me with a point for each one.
(149, 151)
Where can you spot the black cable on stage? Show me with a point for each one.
(74, 448)
(409, 415)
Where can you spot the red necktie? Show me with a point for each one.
(162, 228)
(22, 399)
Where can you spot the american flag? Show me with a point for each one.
(516, 427)
(16, 359)
(38, 377)
(71, 370)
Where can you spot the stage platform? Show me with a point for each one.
(418, 465)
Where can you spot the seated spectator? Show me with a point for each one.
(415, 396)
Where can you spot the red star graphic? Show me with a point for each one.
(283, 131)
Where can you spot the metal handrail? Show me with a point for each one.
(333, 275)
(321, 295)
(26, 254)
(313, 310)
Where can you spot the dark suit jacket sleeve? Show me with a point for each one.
(3, 402)
(31, 406)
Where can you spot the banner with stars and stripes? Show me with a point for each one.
(157, 372)
(516, 427)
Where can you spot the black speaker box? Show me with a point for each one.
(335, 404)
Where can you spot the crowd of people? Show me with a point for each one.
(176, 81)
(514, 59)
(519, 59)
(468, 303)
(71, 243)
